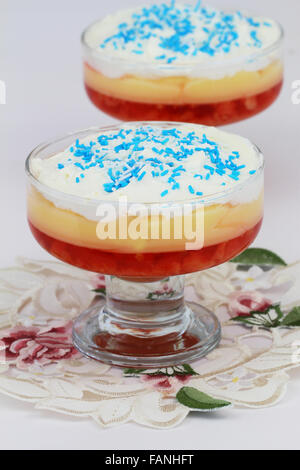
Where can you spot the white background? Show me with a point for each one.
(40, 61)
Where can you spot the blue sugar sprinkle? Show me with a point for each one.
(79, 165)
(108, 187)
(179, 168)
(252, 172)
(159, 152)
(60, 166)
(110, 174)
(199, 193)
(252, 22)
(210, 168)
(131, 163)
(164, 193)
(141, 176)
(77, 180)
(191, 189)
(257, 41)
(197, 6)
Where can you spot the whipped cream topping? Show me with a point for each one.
(152, 162)
(158, 39)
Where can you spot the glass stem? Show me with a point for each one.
(143, 307)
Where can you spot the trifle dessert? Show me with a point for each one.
(145, 203)
(181, 62)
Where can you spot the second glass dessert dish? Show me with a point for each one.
(178, 62)
(145, 203)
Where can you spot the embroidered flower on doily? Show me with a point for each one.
(235, 379)
(164, 384)
(34, 292)
(241, 303)
(253, 279)
(27, 346)
(165, 291)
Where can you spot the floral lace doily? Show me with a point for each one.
(39, 364)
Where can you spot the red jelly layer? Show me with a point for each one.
(215, 114)
(145, 264)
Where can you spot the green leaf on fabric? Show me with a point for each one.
(259, 256)
(193, 398)
(102, 291)
(189, 370)
(292, 318)
(132, 371)
(158, 295)
(172, 371)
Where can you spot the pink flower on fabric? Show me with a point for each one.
(33, 345)
(99, 281)
(165, 384)
(242, 303)
(165, 289)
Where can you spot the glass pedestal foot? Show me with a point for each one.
(146, 325)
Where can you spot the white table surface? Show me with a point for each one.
(40, 61)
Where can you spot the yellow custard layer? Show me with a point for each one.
(183, 90)
(222, 222)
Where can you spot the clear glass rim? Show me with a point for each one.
(96, 202)
(187, 65)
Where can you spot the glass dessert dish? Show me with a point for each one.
(183, 63)
(144, 204)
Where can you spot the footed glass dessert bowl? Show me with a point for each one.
(145, 203)
(178, 62)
